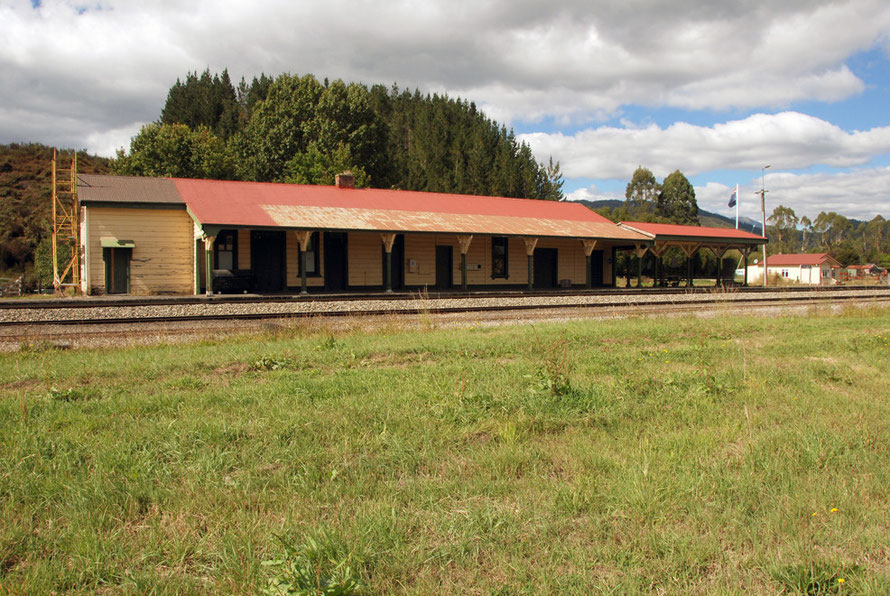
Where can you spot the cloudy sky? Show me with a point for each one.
(714, 89)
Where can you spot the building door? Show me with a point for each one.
(335, 271)
(596, 268)
(444, 267)
(267, 260)
(117, 270)
(546, 271)
(398, 263)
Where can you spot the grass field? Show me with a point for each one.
(646, 455)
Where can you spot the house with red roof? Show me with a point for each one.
(803, 268)
(865, 271)
(179, 236)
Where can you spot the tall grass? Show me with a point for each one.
(725, 455)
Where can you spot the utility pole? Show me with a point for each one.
(763, 192)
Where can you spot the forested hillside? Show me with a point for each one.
(302, 130)
(25, 197)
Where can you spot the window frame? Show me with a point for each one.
(217, 246)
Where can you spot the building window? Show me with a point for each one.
(224, 250)
(499, 255)
(784, 273)
(309, 258)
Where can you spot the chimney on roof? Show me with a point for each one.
(344, 180)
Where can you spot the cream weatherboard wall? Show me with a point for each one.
(364, 259)
(421, 250)
(163, 248)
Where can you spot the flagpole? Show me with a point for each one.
(737, 197)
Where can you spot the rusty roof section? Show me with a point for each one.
(396, 220)
(222, 203)
(255, 204)
(96, 188)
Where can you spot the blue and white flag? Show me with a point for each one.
(734, 197)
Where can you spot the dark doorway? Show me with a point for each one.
(267, 260)
(444, 267)
(596, 269)
(335, 272)
(398, 263)
(546, 269)
(117, 270)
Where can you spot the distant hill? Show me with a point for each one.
(25, 197)
(705, 218)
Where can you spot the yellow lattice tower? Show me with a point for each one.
(66, 226)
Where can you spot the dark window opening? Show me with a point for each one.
(225, 250)
(499, 257)
(309, 258)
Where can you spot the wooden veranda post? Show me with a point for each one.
(208, 263)
(689, 250)
(745, 252)
(388, 241)
(589, 247)
(719, 251)
(530, 244)
(464, 243)
(303, 238)
(658, 252)
(640, 252)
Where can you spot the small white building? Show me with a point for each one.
(809, 269)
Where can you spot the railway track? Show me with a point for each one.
(130, 324)
(133, 311)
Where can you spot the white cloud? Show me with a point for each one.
(858, 194)
(787, 140)
(592, 193)
(68, 72)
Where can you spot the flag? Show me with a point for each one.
(733, 197)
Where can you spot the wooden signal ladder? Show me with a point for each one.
(66, 227)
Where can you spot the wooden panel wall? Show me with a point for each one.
(163, 257)
(365, 260)
(421, 249)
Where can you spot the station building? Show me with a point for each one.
(182, 236)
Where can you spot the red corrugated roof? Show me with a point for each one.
(800, 259)
(662, 229)
(256, 204)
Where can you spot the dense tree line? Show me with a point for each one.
(302, 130)
(850, 241)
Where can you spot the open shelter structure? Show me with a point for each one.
(691, 239)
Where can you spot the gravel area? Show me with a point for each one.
(18, 337)
(416, 305)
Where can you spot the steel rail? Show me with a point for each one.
(101, 301)
(703, 298)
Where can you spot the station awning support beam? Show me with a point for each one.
(208, 263)
(589, 247)
(530, 244)
(388, 241)
(640, 252)
(303, 238)
(464, 243)
(689, 250)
